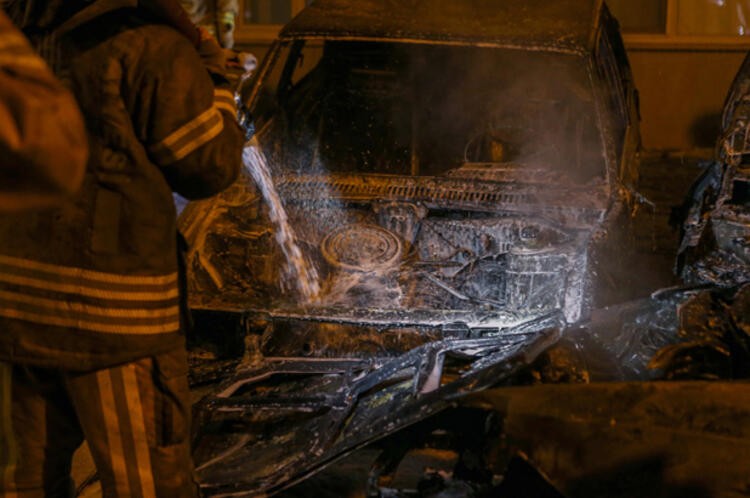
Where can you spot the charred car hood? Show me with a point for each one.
(400, 250)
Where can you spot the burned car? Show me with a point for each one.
(715, 245)
(429, 198)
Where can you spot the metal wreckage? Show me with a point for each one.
(458, 215)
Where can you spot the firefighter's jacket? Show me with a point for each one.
(43, 144)
(95, 282)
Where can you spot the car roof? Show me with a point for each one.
(562, 25)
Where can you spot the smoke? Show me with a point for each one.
(533, 110)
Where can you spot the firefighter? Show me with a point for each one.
(43, 145)
(218, 17)
(90, 292)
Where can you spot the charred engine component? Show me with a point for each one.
(521, 263)
(465, 254)
(401, 218)
(362, 248)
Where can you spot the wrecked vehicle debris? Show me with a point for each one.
(706, 334)
(715, 245)
(267, 428)
(688, 333)
(589, 423)
(613, 439)
(455, 172)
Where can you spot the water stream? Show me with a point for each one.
(299, 271)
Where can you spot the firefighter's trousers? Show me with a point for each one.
(135, 418)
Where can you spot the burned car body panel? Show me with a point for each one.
(449, 180)
(715, 244)
(563, 25)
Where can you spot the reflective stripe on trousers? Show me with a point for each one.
(8, 450)
(134, 417)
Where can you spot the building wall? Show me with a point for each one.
(681, 94)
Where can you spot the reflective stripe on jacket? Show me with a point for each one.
(94, 283)
(100, 302)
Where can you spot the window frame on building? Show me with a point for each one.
(672, 39)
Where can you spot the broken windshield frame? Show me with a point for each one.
(396, 108)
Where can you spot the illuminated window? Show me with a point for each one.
(712, 17)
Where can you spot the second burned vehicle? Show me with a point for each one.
(452, 173)
(715, 245)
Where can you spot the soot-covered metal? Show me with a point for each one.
(715, 245)
(447, 196)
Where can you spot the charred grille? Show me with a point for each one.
(568, 207)
(433, 191)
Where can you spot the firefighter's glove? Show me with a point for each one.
(244, 62)
(213, 56)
